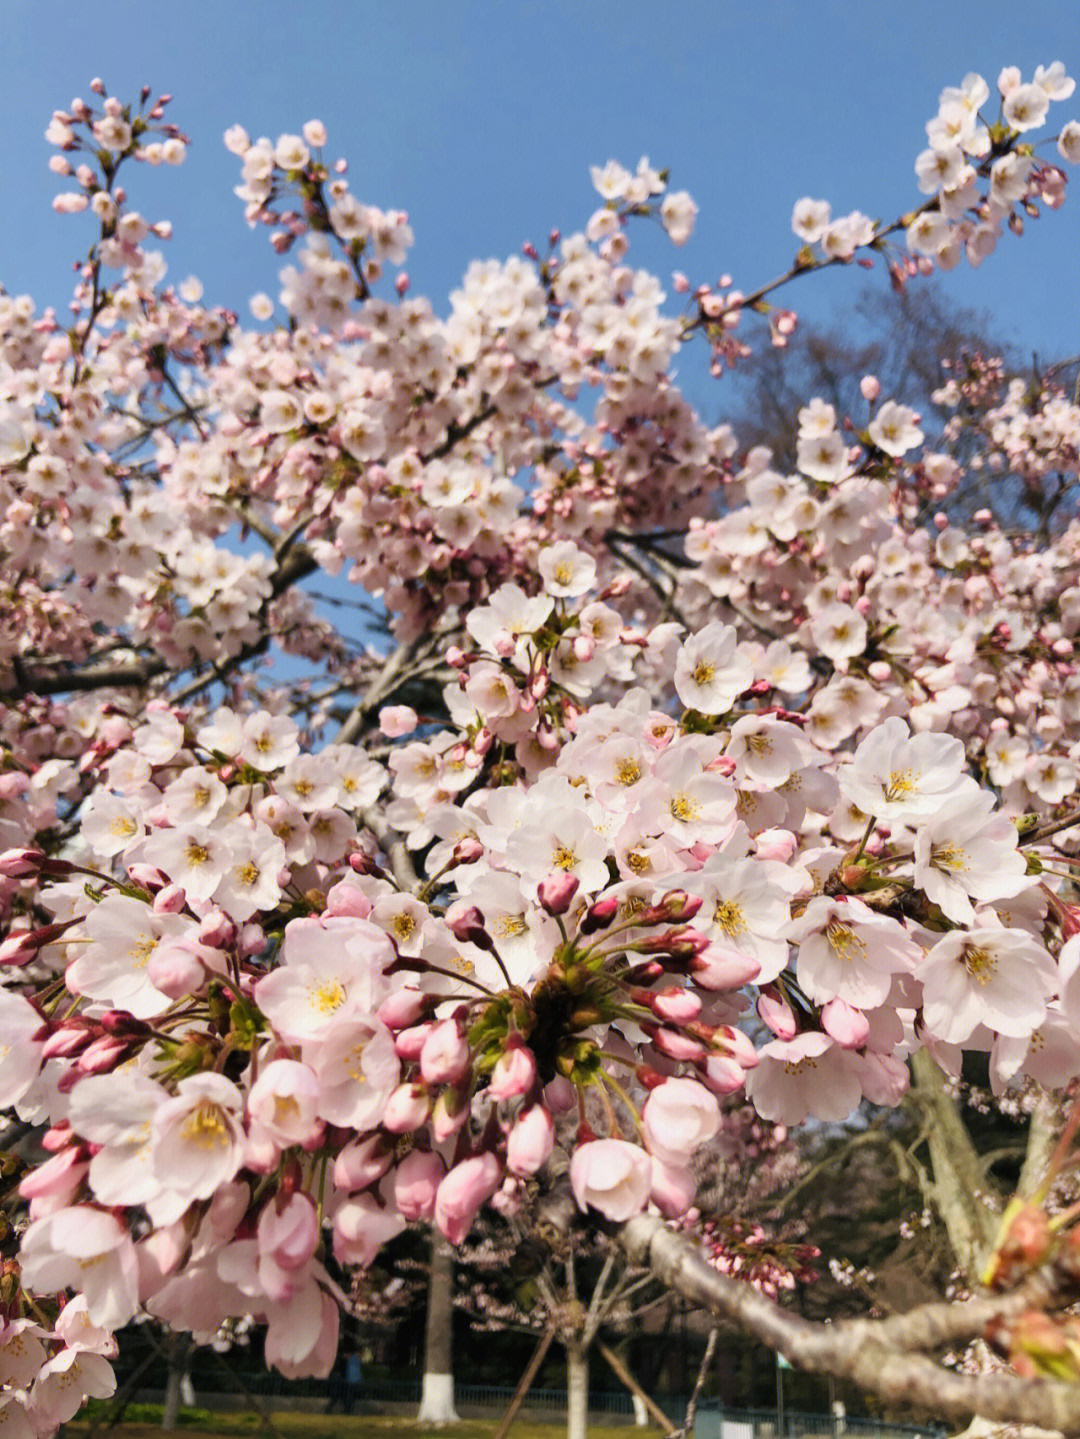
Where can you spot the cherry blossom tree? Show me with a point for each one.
(437, 768)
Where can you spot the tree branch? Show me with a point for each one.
(879, 1356)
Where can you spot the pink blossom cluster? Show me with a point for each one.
(690, 783)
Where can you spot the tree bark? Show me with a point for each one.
(577, 1389)
(957, 1174)
(437, 1394)
(178, 1348)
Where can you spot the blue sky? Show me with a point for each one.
(481, 119)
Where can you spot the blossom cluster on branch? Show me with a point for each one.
(682, 778)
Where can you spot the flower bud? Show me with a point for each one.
(362, 1163)
(170, 900)
(448, 1115)
(217, 930)
(676, 1005)
(406, 1109)
(466, 923)
(673, 1188)
(462, 1192)
(723, 1075)
(147, 876)
(409, 1042)
(559, 1095)
(721, 968)
(775, 1012)
(102, 1055)
(848, 1026)
(20, 863)
(71, 1039)
(403, 1008)
(514, 1073)
(176, 971)
(445, 1054)
(556, 892)
(416, 1182)
(599, 914)
(530, 1141)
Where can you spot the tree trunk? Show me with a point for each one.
(958, 1176)
(437, 1395)
(577, 1389)
(179, 1351)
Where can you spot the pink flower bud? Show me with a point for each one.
(147, 876)
(870, 387)
(723, 1075)
(362, 1163)
(289, 1235)
(722, 968)
(261, 1154)
(556, 892)
(445, 1056)
(406, 1109)
(677, 1045)
(462, 1192)
(848, 1026)
(217, 930)
(251, 940)
(360, 862)
(409, 1043)
(514, 1073)
(19, 949)
(599, 914)
(13, 784)
(349, 900)
(75, 1036)
(448, 1115)
(468, 850)
(18, 863)
(102, 1055)
(57, 1179)
(466, 924)
(397, 720)
(676, 1005)
(57, 1137)
(777, 844)
(403, 1008)
(176, 971)
(775, 1012)
(673, 1188)
(734, 1042)
(170, 900)
(530, 1141)
(416, 1182)
(560, 1097)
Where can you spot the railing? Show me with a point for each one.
(713, 1422)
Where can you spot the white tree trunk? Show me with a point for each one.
(437, 1395)
(437, 1400)
(577, 1390)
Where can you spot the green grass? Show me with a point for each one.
(143, 1421)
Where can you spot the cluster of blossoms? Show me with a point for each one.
(980, 174)
(690, 783)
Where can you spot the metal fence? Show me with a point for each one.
(713, 1422)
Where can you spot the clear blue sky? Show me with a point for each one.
(481, 119)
